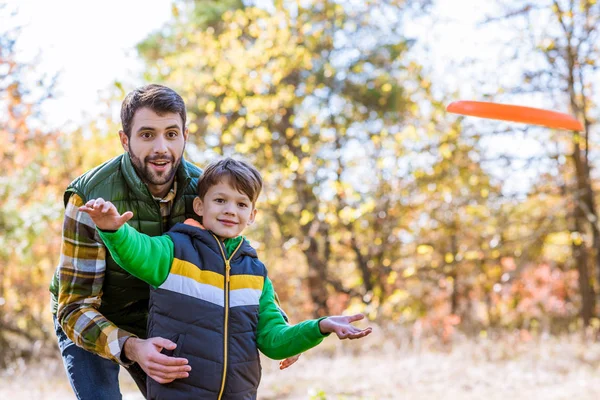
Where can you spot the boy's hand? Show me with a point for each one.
(342, 326)
(105, 214)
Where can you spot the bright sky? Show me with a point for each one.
(90, 43)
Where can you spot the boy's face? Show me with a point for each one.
(225, 211)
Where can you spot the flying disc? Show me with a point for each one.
(509, 112)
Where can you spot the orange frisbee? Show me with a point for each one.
(508, 112)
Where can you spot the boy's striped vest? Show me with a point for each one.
(211, 312)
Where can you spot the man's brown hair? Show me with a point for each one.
(158, 98)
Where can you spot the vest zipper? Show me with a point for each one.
(226, 324)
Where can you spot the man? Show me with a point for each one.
(100, 311)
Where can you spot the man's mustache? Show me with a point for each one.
(160, 158)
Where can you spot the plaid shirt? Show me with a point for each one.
(82, 268)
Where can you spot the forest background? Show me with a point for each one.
(472, 246)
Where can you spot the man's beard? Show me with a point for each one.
(149, 176)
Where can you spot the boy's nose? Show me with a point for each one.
(229, 210)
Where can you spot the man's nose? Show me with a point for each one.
(160, 144)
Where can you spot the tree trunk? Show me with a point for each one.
(580, 254)
(317, 279)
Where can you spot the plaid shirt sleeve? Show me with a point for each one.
(81, 274)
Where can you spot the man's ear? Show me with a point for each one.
(198, 206)
(186, 133)
(124, 140)
(252, 216)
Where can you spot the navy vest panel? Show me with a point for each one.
(189, 309)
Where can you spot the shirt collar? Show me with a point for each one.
(170, 196)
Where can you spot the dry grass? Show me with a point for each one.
(380, 367)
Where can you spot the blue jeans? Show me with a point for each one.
(91, 376)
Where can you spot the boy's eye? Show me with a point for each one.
(242, 205)
(219, 200)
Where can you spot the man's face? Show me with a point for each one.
(155, 147)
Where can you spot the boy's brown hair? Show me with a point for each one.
(240, 174)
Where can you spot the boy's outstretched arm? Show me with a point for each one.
(147, 258)
(276, 339)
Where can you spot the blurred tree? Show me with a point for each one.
(316, 94)
(27, 202)
(37, 164)
(563, 67)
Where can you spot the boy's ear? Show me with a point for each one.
(124, 141)
(198, 206)
(252, 217)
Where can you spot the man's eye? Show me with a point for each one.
(172, 134)
(146, 135)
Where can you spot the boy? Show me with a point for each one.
(213, 296)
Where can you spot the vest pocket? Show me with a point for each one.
(179, 348)
(178, 340)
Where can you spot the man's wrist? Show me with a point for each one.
(128, 352)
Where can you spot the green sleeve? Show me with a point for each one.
(275, 338)
(145, 257)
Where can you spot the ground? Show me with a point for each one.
(380, 368)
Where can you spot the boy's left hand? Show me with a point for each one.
(342, 326)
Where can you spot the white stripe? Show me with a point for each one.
(244, 297)
(72, 211)
(113, 343)
(184, 285)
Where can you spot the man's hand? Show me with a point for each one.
(147, 353)
(105, 214)
(343, 328)
(283, 364)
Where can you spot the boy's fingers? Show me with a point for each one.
(98, 202)
(126, 217)
(356, 317)
(361, 334)
(106, 206)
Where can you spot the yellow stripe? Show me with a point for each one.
(246, 282)
(187, 269)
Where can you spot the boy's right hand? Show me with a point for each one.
(105, 215)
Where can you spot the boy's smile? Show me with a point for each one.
(224, 210)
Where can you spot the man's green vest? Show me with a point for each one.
(124, 297)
